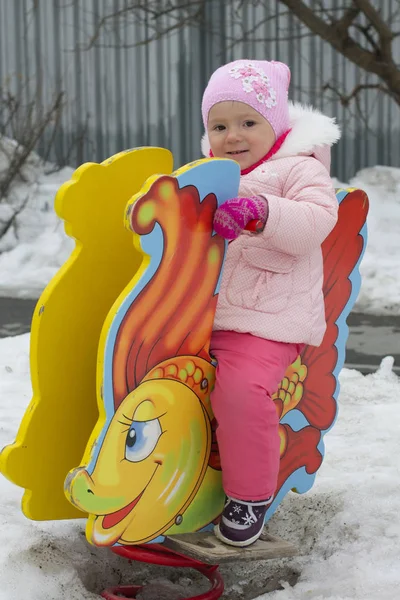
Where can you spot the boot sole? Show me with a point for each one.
(220, 536)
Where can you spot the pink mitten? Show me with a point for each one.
(232, 217)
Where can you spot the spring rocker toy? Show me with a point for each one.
(120, 429)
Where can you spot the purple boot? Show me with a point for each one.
(242, 522)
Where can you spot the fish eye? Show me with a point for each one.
(141, 439)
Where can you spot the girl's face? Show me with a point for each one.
(239, 132)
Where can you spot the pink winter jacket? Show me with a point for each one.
(272, 282)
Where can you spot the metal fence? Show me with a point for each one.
(118, 95)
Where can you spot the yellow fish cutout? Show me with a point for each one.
(67, 324)
(151, 466)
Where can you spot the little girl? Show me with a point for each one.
(270, 301)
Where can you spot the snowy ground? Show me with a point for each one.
(32, 251)
(347, 527)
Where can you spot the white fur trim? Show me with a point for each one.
(205, 145)
(309, 128)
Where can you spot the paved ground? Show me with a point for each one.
(371, 338)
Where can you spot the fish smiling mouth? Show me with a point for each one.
(114, 518)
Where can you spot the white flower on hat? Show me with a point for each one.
(235, 72)
(271, 100)
(248, 83)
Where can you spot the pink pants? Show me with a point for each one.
(249, 371)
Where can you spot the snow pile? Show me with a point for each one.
(33, 244)
(380, 269)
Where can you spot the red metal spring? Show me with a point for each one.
(159, 555)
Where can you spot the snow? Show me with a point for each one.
(380, 268)
(35, 246)
(347, 526)
(33, 250)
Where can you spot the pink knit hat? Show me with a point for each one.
(261, 84)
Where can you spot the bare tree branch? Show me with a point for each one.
(366, 31)
(11, 222)
(380, 62)
(343, 24)
(383, 30)
(33, 130)
(156, 13)
(346, 99)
